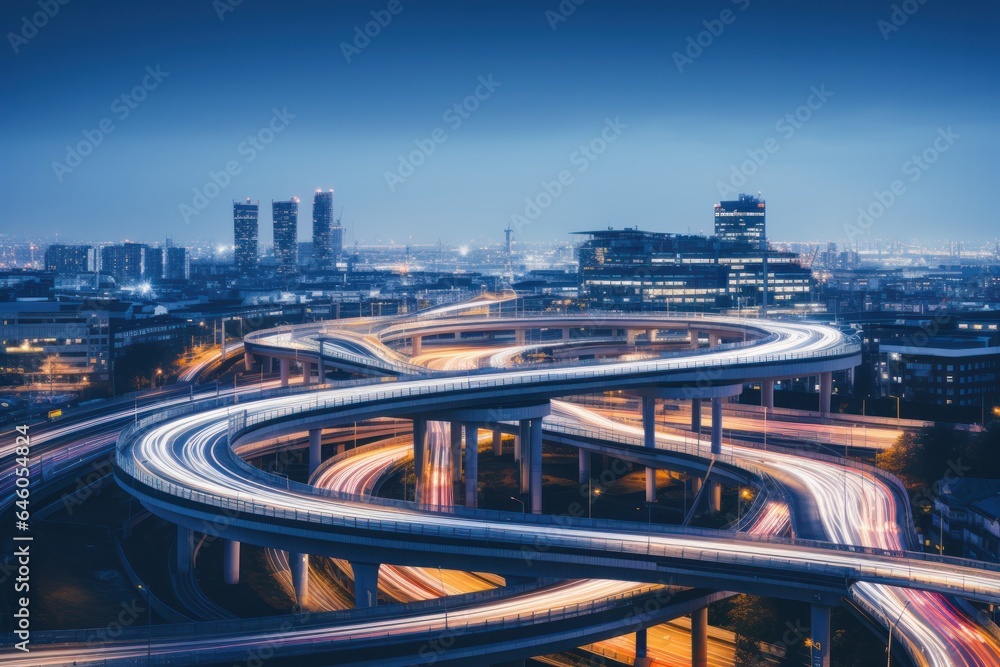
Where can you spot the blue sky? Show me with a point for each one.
(688, 128)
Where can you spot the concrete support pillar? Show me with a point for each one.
(630, 336)
(284, 366)
(322, 372)
(315, 449)
(767, 393)
(365, 584)
(716, 426)
(307, 372)
(247, 361)
(584, 466)
(651, 334)
(641, 650)
(715, 496)
(696, 415)
(299, 564)
(419, 447)
(565, 334)
(517, 448)
(536, 466)
(185, 549)
(520, 336)
(820, 628)
(825, 392)
(525, 428)
(416, 345)
(231, 562)
(455, 429)
(713, 339)
(649, 439)
(695, 485)
(471, 465)
(497, 442)
(699, 638)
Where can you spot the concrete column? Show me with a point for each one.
(315, 449)
(416, 345)
(536, 466)
(699, 638)
(767, 393)
(471, 465)
(651, 334)
(630, 337)
(696, 415)
(565, 334)
(695, 485)
(419, 445)
(231, 562)
(455, 429)
(517, 448)
(322, 372)
(715, 496)
(525, 462)
(641, 659)
(307, 372)
(299, 564)
(716, 425)
(365, 584)
(825, 392)
(247, 361)
(497, 442)
(185, 549)
(713, 339)
(584, 466)
(649, 439)
(820, 629)
(520, 336)
(283, 367)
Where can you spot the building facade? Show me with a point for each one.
(178, 264)
(125, 262)
(70, 259)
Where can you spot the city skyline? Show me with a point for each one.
(473, 121)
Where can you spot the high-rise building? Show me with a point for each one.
(337, 240)
(742, 220)
(322, 228)
(178, 264)
(285, 215)
(69, 259)
(126, 262)
(245, 235)
(153, 270)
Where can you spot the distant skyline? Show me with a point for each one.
(686, 104)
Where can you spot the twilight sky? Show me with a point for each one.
(289, 99)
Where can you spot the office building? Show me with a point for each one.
(742, 220)
(285, 216)
(634, 270)
(70, 259)
(322, 229)
(153, 271)
(245, 215)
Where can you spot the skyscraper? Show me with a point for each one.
(322, 228)
(66, 259)
(742, 220)
(285, 215)
(126, 262)
(245, 235)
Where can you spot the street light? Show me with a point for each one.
(745, 494)
(518, 501)
(888, 652)
(590, 499)
(149, 627)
